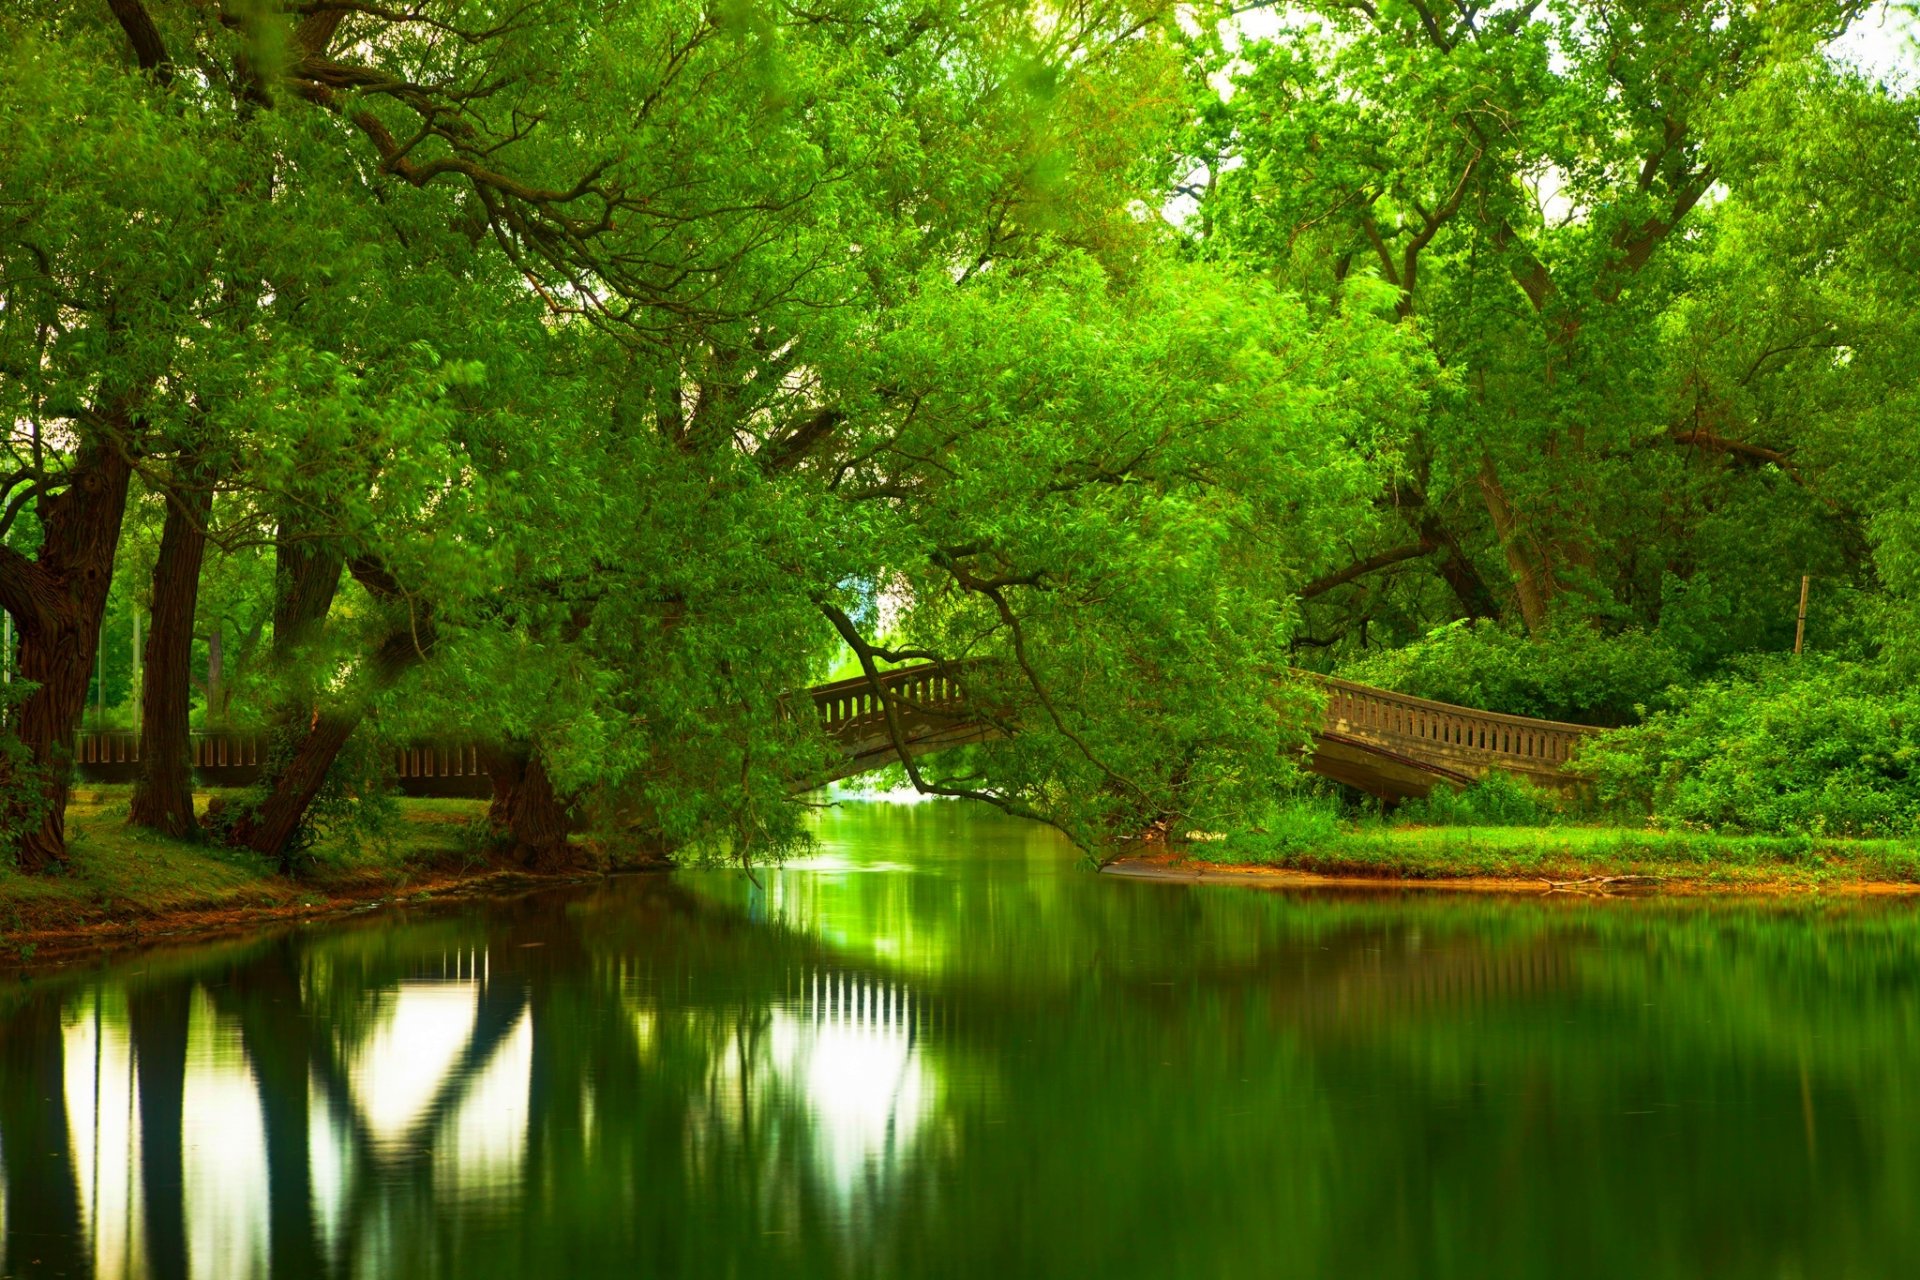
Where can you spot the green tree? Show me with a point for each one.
(1551, 195)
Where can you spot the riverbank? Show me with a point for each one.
(122, 884)
(1552, 859)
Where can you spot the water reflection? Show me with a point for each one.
(990, 1063)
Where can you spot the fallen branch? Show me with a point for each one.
(1604, 882)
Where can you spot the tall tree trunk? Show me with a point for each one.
(43, 1194)
(157, 1020)
(526, 810)
(163, 793)
(57, 600)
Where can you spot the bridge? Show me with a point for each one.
(1388, 744)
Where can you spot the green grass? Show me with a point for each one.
(118, 873)
(1563, 853)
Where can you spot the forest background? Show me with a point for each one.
(584, 378)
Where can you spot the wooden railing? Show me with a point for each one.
(233, 756)
(1421, 728)
(440, 760)
(210, 750)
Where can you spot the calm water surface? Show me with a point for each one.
(942, 1048)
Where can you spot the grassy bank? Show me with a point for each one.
(1566, 854)
(121, 880)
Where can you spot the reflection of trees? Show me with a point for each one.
(43, 1198)
(157, 1023)
(1336, 1086)
(278, 1035)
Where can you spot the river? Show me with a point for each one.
(943, 1047)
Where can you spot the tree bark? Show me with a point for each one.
(306, 577)
(163, 793)
(270, 828)
(57, 600)
(526, 810)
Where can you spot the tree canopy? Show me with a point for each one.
(585, 380)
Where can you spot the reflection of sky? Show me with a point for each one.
(100, 1098)
(846, 1052)
(402, 1065)
(863, 1079)
(226, 1153)
(411, 1055)
(480, 1155)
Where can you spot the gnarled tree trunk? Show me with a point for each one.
(163, 794)
(57, 600)
(305, 578)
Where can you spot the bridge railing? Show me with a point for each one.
(217, 750)
(236, 757)
(1417, 725)
(925, 691)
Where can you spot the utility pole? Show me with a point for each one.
(1800, 629)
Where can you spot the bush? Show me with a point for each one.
(1814, 746)
(23, 795)
(1498, 800)
(356, 806)
(1296, 822)
(1572, 673)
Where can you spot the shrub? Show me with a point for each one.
(1295, 822)
(1814, 746)
(23, 796)
(1498, 800)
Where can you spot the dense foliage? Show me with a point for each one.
(1570, 673)
(1819, 747)
(584, 380)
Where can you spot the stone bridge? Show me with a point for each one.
(1388, 744)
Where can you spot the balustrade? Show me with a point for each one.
(1415, 724)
